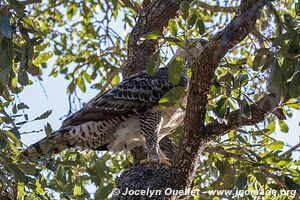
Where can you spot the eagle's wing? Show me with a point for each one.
(137, 93)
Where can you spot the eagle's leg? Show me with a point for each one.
(150, 126)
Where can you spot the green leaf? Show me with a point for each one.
(6, 94)
(39, 188)
(71, 87)
(21, 106)
(77, 190)
(275, 145)
(173, 27)
(245, 109)
(171, 97)
(4, 76)
(5, 27)
(18, 6)
(115, 80)
(221, 110)
(294, 85)
(290, 22)
(27, 21)
(192, 20)
(34, 70)
(48, 130)
(81, 84)
(153, 64)
(184, 8)
(44, 115)
(261, 178)
(21, 190)
(241, 139)
(271, 127)
(242, 181)
(41, 47)
(23, 76)
(297, 8)
(27, 168)
(51, 167)
(13, 138)
(69, 163)
(42, 58)
(283, 126)
(175, 69)
(244, 78)
(291, 184)
(294, 47)
(256, 64)
(284, 163)
(223, 166)
(79, 60)
(71, 11)
(275, 78)
(173, 41)
(297, 163)
(17, 172)
(201, 26)
(153, 35)
(87, 77)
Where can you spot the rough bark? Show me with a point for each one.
(153, 18)
(193, 141)
(259, 109)
(213, 8)
(196, 135)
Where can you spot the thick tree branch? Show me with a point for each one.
(154, 17)
(193, 139)
(217, 8)
(259, 110)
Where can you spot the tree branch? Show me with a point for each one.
(217, 8)
(193, 139)
(153, 17)
(290, 150)
(259, 110)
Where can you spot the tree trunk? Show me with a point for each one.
(153, 181)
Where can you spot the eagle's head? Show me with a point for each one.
(194, 47)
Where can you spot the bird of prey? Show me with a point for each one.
(124, 117)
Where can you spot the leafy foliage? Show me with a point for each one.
(90, 52)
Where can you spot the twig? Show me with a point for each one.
(213, 8)
(53, 6)
(290, 150)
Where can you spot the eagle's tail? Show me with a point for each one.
(56, 143)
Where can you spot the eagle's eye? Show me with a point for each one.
(203, 42)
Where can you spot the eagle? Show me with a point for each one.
(124, 117)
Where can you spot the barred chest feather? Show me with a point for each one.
(128, 133)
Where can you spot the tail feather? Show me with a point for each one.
(56, 143)
(89, 135)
